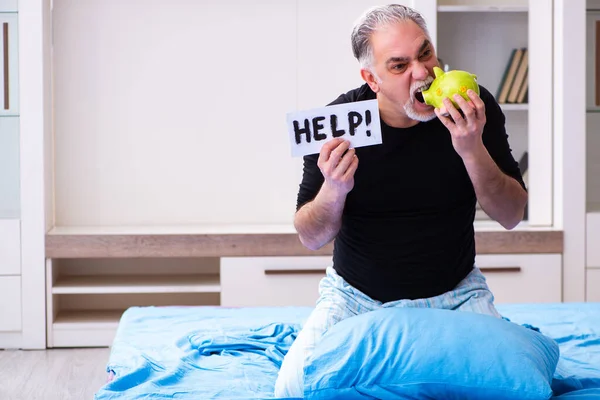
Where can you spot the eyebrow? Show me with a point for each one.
(391, 60)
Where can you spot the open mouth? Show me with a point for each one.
(418, 93)
(419, 96)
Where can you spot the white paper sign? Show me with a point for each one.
(357, 122)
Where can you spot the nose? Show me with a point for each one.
(420, 71)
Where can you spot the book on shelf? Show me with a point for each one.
(514, 82)
(519, 80)
(524, 90)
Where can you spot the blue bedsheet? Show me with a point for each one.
(576, 329)
(200, 352)
(235, 353)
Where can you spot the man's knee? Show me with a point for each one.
(290, 379)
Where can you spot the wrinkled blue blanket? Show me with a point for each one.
(235, 353)
(576, 329)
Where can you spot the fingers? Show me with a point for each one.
(336, 157)
(444, 118)
(443, 111)
(454, 113)
(345, 163)
(327, 148)
(477, 103)
(351, 168)
(338, 152)
(467, 108)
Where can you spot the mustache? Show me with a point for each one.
(419, 84)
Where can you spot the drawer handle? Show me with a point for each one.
(5, 54)
(295, 271)
(500, 269)
(322, 271)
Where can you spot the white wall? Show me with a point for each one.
(174, 112)
(161, 115)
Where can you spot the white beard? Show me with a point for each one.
(409, 108)
(418, 116)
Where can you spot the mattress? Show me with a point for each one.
(202, 352)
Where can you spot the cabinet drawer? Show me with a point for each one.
(10, 298)
(271, 281)
(523, 278)
(593, 240)
(10, 247)
(10, 187)
(592, 285)
(8, 5)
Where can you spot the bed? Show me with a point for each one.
(203, 352)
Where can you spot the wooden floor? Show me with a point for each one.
(57, 374)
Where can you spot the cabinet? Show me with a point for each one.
(478, 37)
(592, 105)
(294, 281)
(23, 148)
(9, 168)
(10, 298)
(8, 6)
(523, 278)
(272, 281)
(593, 284)
(85, 297)
(11, 322)
(10, 247)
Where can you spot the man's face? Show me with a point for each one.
(403, 61)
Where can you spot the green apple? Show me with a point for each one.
(447, 84)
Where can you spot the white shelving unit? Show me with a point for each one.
(592, 156)
(21, 278)
(86, 297)
(479, 37)
(137, 284)
(160, 155)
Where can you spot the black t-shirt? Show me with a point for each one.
(407, 225)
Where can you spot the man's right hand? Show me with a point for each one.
(319, 220)
(338, 163)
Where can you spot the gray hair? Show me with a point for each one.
(373, 19)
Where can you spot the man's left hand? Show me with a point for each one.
(466, 129)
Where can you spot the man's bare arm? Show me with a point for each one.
(499, 195)
(319, 221)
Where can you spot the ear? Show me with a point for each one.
(370, 79)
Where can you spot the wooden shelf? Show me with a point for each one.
(89, 328)
(113, 284)
(514, 107)
(185, 241)
(208, 229)
(88, 319)
(482, 8)
(96, 243)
